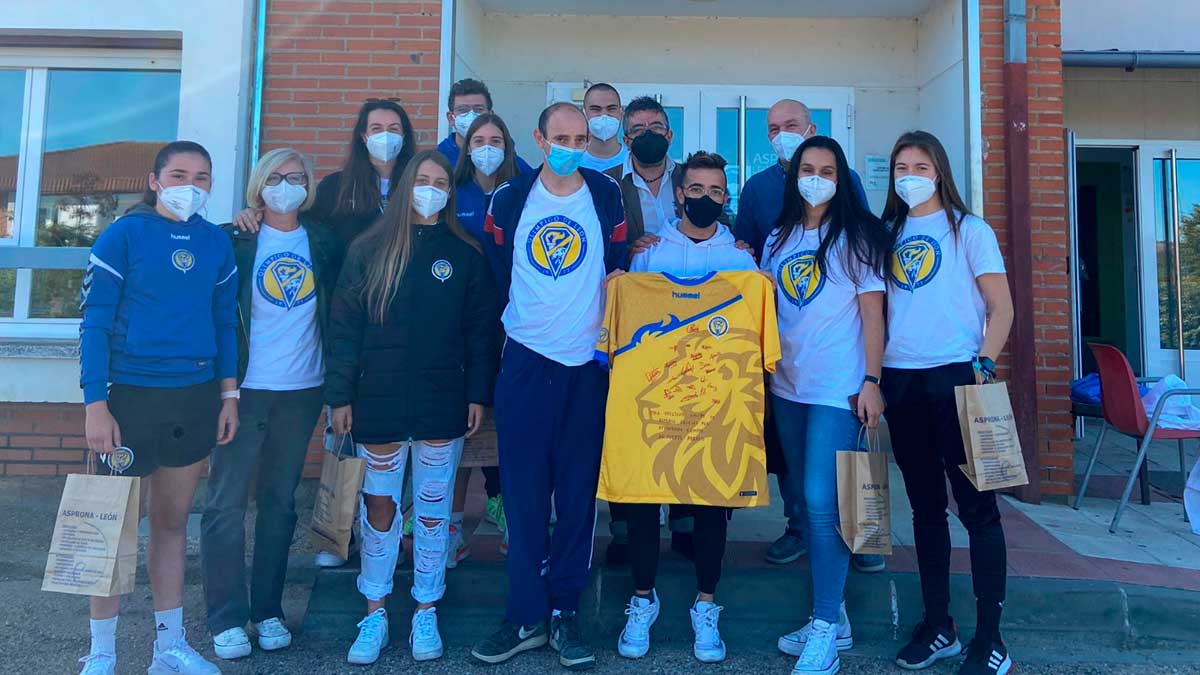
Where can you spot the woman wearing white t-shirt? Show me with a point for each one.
(949, 313)
(827, 255)
(286, 274)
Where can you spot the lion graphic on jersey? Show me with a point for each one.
(702, 415)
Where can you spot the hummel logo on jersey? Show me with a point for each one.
(184, 237)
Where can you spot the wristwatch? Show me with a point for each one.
(871, 378)
(232, 393)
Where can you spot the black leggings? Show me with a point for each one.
(712, 522)
(491, 481)
(922, 417)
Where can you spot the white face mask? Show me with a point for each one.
(785, 143)
(183, 201)
(462, 123)
(385, 145)
(285, 197)
(915, 190)
(816, 190)
(604, 127)
(487, 159)
(428, 200)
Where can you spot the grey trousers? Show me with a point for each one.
(267, 455)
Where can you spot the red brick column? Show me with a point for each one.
(325, 57)
(1047, 208)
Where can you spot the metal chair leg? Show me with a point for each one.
(1143, 448)
(1183, 473)
(1144, 477)
(1087, 476)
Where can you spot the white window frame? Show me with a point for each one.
(37, 62)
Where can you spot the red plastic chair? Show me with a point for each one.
(1123, 410)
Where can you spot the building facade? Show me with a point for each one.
(86, 92)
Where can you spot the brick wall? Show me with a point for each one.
(325, 57)
(1048, 216)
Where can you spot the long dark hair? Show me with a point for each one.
(867, 240)
(465, 170)
(895, 211)
(358, 193)
(163, 158)
(387, 246)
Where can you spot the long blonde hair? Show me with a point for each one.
(387, 247)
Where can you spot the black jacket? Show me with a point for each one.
(349, 223)
(326, 252)
(413, 376)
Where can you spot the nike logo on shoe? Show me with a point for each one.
(524, 635)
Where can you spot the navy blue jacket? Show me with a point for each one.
(508, 201)
(449, 148)
(761, 201)
(159, 302)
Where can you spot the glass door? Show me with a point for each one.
(1170, 185)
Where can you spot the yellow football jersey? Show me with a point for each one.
(684, 422)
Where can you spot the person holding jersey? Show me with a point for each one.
(489, 161)
(412, 361)
(286, 275)
(158, 356)
(946, 271)
(693, 245)
(827, 255)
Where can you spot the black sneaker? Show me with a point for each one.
(929, 645)
(985, 657)
(567, 640)
(509, 641)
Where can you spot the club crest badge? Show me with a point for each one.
(121, 459)
(442, 270)
(183, 260)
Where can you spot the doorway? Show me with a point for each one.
(1106, 206)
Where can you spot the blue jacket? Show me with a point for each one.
(761, 201)
(159, 302)
(471, 205)
(508, 201)
(449, 148)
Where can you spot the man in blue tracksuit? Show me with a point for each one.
(468, 99)
(789, 123)
(557, 234)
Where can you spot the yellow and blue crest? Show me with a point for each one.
(183, 260)
(120, 459)
(800, 277)
(718, 326)
(556, 246)
(286, 280)
(915, 262)
(442, 270)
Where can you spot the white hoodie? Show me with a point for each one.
(676, 254)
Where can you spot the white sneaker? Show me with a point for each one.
(460, 548)
(635, 639)
(662, 515)
(792, 644)
(327, 559)
(231, 644)
(820, 655)
(424, 640)
(708, 648)
(180, 659)
(99, 663)
(272, 634)
(372, 638)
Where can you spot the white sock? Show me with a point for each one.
(169, 626)
(104, 636)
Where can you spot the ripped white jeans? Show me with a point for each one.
(434, 467)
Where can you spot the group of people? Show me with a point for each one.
(413, 289)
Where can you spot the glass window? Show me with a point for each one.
(12, 105)
(8, 289)
(1188, 203)
(675, 121)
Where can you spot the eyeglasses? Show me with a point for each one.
(696, 190)
(637, 129)
(294, 178)
(461, 109)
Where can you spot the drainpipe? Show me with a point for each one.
(1130, 60)
(260, 41)
(1022, 344)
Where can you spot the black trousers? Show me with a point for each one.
(711, 525)
(922, 417)
(491, 481)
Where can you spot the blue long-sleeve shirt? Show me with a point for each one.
(159, 302)
(761, 201)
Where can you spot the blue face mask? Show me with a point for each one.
(562, 160)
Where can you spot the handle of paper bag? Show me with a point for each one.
(90, 463)
(338, 445)
(872, 439)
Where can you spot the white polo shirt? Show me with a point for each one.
(657, 210)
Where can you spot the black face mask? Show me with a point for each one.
(702, 211)
(650, 148)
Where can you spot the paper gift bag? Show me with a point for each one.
(989, 433)
(94, 548)
(337, 498)
(864, 503)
